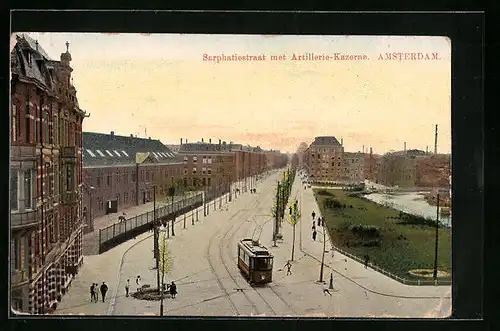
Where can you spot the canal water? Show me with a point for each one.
(412, 203)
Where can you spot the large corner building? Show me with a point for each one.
(45, 176)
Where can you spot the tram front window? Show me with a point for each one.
(263, 264)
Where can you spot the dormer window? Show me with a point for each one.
(29, 58)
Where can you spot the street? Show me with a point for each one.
(210, 284)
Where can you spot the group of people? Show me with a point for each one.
(171, 287)
(94, 291)
(252, 190)
(321, 222)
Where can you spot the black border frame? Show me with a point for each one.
(466, 31)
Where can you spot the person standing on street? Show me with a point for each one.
(288, 266)
(104, 289)
(92, 295)
(313, 214)
(138, 283)
(127, 287)
(367, 259)
(173, 290)
(314, 235)
(96, 292)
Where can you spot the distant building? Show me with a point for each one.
(324, 160)
(354, 167)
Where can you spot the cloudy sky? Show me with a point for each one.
(160, 86)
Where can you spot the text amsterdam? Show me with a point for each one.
(405, 56)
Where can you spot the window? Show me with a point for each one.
(194, 171)
(185, 159)
(209, 170)
(125, 153)
(29, 58)
(142, 175)
(90, 152)
(117, 153)
(203, 170)
(195, 158)
(204, 181)
(209, 181)
(133, 176)
(109, 153)
(27, 189)
(108, 180)
(13, 189)
(69, 178)
(100, 153)
(185, 171)
(117, 178)
(28, 120)
(204, 160)
(14, 123)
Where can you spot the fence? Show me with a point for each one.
(122, 231)
(414, 282)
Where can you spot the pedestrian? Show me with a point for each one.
(313, 227)
(367, 259)
(127, 287)
(104, 289)
(138, 283)
(288, 265)
(96, 292)
(314, 235)
(173, 290)
(92, 292)
(313, 215)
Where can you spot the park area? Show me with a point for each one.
(397, 242)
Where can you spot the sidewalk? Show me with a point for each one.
(91, 239)
(343, 266)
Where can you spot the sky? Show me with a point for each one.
(161, 86)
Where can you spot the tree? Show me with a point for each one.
(294, 218)
(165, 266)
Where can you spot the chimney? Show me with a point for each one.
(363, 149)
(181, 141)
(186, 140)
(131, 136)
(36, 45)
(436, 141)
(341, 141)
(405, 147)
(149, 138)
(371, 151)
(219, 141)
(201, 139)
(209, 140)
(112, 133)
(426, 149)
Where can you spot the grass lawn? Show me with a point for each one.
(400, 246)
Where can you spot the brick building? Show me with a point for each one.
(354, 168)
(324, 160)
(45, 177)
(120, 171)
(371, 165)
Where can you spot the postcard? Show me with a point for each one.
(230, 175)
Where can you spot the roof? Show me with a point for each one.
(39, 68)
(109, 149)
(326, 140)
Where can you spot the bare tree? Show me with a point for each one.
(165, 266)
(294, 218)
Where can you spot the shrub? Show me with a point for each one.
(325, 192)
(365, 230)
(332, 203)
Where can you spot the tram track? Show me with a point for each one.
(228, 238)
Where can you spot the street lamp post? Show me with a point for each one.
(322, 256)
(436, 240)
(156, 236)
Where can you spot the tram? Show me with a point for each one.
(255, 262)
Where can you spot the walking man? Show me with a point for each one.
(96, 292)
(92, 296)
(288, 266)
(173, 290)
(104, 289)
(313, 215)
(367, 259)
(314, 235)
(127, 287)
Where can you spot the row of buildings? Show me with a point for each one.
(122, 171)
(326, 161)
(61, 178)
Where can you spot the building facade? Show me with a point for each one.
(354, 168)
(45, 177)
(120, 172)
(324, 160)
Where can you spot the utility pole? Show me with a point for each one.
(436, 240)
(156, 235)
(322, 256)
(436, 140)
